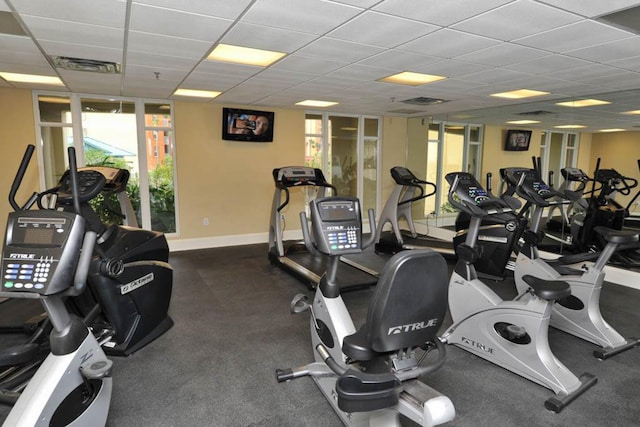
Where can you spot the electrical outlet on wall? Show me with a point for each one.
(205, 221)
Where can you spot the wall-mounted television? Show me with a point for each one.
(517, 140)
(247, 125)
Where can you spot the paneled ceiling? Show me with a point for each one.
(337, 50)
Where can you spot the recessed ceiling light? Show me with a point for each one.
(197, 93)
(570, 127)
(519, 93)
(612, 130)
(244, 55)
(31, 78)
(583, 103)
(315, 103)
(523, 122)
(411, 79)
(631, 112)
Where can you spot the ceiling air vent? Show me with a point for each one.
(628, 19)
(423, 100)
(535, 113)
(90, 65)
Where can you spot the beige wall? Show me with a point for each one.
(229, 182)
(16, 122)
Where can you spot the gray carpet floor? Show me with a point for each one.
(215, 367)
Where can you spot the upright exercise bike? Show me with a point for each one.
(578, 314)
(46, 256)
(512, 334)
(370, 375)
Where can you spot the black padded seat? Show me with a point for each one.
(617, 236)
(407, 308)
(550, 290)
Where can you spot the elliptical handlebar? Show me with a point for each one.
(26, 159)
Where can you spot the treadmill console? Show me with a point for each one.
(574, 174)
(336, 225)
(403, 176)
(290, 176)
(41, 251)
(90, 184)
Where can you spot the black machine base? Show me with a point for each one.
(558, 403)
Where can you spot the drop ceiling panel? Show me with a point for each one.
(220, 8)
(12, 67)
(452, 68)
(342, 50)
(83, 82)
(502, 54)
(591, 8)
(167, 46)
(29, 59)
(400, 61)
(205, 81)
(269, 38)
(438, 12)
(495, 76)
(74, 32)
(631, 64)
(4, 7)
(307, 65)
(516, 20)
(149, 59)
(609, 51)
(361, 73)
(107, 13)
(548, 64)
(312, 16)
(448, 44)
(177, 24)
(227, 69)
(381, 30)
(284, 77)
(575, 36)
(12, 43)
(141, 72)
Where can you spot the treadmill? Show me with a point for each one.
(408, 189)
(293, 256)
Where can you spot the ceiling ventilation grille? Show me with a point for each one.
(423, 100)
(89, 65)
(536, 113)
(405, 111)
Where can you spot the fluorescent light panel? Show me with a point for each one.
(583, 103)
(411, 79)
(523, 122)
(244, 55)
(612, 130)
(197, 93)
(570, 127)
(31, 78)
(631, 112)
(316, 103)
(519, 94)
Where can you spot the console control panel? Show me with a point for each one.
(336, 224)
(41, 251)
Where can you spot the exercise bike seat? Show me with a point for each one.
(550, 290)
(407, 308)
(617, 236)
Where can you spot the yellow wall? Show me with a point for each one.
(229, 182)
(16, 122)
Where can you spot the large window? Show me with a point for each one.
(124, 133)
(347, 149)
(558, 150)
(436, 149)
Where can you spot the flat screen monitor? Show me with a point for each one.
(517, 140)
(247, 125)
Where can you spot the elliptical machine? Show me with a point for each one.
(130, 279)
(511, 334)
(578, 314)
(46, 256)
(370, 375)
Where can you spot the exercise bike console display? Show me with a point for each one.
(40, 251)
(337, 227)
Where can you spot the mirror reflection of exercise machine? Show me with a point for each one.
(307, 264)
(409, 189)
(512, 334)
(370, 375)
(578, 314)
